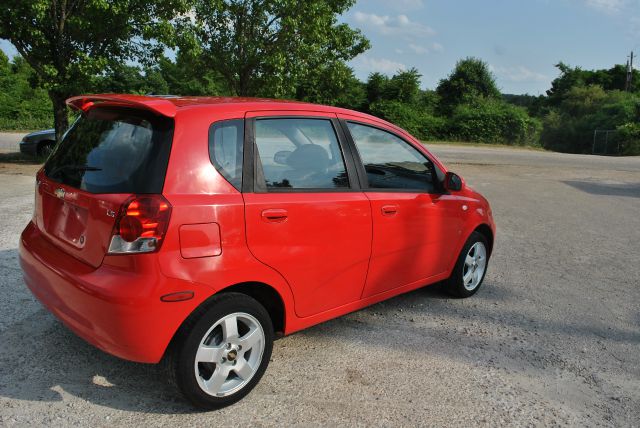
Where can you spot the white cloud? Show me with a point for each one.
(409, 4)
(393, 25)
(398, 5)
(383, 65)
(518, 74)
(437, 47)
(423, 49)
(420, 50)
(608, 6)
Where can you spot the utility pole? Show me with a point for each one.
(629, 81)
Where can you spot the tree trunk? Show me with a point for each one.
(61, 119)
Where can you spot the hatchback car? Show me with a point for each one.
(194, 230)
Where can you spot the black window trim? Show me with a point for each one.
(212, 157)
(362, 174)
(250, 162)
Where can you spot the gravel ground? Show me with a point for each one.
(552, 338)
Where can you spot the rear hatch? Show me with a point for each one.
(106, 157)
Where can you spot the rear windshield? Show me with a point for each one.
(114, 150)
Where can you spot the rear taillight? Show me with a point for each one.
(141, 225)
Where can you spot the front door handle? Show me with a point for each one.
(389, 209)
(274, 215)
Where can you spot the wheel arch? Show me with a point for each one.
(267, 296)
(486, 231)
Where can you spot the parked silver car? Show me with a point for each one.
(39, 143)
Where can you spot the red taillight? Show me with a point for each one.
(141, 225)
(130, 228)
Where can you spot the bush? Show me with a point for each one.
(570, 127)
(494, 122)
(21, 106)
(410, 118)
(629, 136)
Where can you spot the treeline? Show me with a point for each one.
(467, 106)
(23, 105)
(285, 49)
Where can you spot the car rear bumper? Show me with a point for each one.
(116, 307)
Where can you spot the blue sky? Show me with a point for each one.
(521, 40)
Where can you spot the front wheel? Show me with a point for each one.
(222, 353)
(471, 267)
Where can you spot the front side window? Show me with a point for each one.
(225, 149)
(298, 154)
(390, 162)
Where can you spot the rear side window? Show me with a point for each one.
(298, 154)
(390, 162)
(114, 150)
(225, 149)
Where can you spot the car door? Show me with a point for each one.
(415, 226)
(305, 214)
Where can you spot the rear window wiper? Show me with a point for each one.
(73, 168)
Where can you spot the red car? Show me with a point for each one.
(194, 230)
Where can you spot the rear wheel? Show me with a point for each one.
(471, 267)
(222, 353)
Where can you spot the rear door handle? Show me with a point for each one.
(389, 209)
(274, 215)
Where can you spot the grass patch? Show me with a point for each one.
(496, 145)
(18, 131)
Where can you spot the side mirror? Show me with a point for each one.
(452, 182)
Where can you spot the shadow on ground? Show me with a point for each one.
(607, 189)
(40, 360)
(19, 158)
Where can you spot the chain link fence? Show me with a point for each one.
(606, 142)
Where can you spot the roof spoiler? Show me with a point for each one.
(156, 105)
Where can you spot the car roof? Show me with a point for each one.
(169, 105)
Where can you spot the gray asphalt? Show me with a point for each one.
(551, 338)
(9, 141)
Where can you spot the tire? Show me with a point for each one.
(211, 365)
(470, 268)
(45, 148)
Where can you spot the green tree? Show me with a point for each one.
(609, 79)
(68, 42)
(267, 47)
(629, 137)
(569, 127)
(470, 81)
(376, 87)
(122, 78)
(188, 76)
(404, 87)
(333, 84)
(21, 106)
(536, 105)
